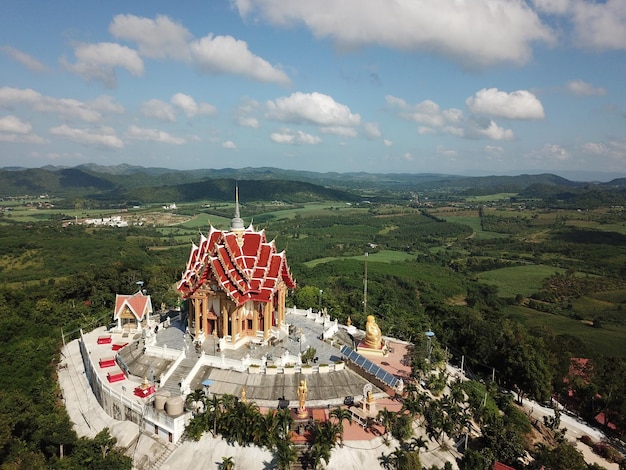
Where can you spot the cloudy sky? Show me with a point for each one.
(411, 86)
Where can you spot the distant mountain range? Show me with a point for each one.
(134, 183)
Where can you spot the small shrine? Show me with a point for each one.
(368, 404)
(132, 311)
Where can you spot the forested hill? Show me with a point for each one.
(162, 184)
(250, 190)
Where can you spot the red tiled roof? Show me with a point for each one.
(138, 304)
(245, 265)
(501, 466)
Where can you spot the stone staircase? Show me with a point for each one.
(169, 449)
(181, 372)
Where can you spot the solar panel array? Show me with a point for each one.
(369, 366)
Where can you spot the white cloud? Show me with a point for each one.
(581, 88)
(428, 113)
(244, 113)
(158, 39)
(596, 148)
(312, 108)
(289, 136)
(372, 130)
(14, 125)
(65, 108)
(158, 109)
(14, 130)
(548, 154)
(614, 149)
(494, 149)
(448, 153)
(247, 121)
(229, 144)
(190, 107)
(153, 135)
(597, 25)
(107, 104)
(26, 60)
(22, 139)
(479, 127)
(519, 104)
(478, 33)
(225, 54)
(387, 142)
(162, 38)
(100, 137)
(341, 131)
(98, 62)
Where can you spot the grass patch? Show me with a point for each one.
(515, 280)
(383, 256)
(610, 341)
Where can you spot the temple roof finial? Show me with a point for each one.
(236, 222)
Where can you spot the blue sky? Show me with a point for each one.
(408, 86)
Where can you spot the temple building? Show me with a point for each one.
(236, 283)
(132, 311)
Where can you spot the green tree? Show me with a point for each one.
(286, 454)
(563, 457)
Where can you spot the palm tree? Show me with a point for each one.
(214, 407)
(341, 414)
(284, 420)
(227, 463)
(196, 401)
(387, 419)
(324, 438)
(286, 454)
(417, 443)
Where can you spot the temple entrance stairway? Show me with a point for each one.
(173, 383)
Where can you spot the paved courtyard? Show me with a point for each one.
(326, 389)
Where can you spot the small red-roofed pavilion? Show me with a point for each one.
(132, 311)
(236, 282)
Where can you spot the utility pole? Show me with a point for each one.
(365, 288)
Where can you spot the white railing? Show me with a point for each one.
(173, 367)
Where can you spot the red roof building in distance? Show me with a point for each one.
(501, 466)
(132, 311)
(236, 283)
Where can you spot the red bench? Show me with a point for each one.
(104, 339)
(107, 362)
(116, 377)
(118, 346)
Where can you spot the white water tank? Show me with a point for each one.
(174, 406)
(160, 399)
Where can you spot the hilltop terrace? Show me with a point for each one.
(132, 374)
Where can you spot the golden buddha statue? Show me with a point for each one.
(373, 335)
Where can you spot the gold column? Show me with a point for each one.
(267, 319)
(281, 304)
(233, 322)
(224, 321)
(255, 320)
(205, 314)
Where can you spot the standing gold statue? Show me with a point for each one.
(302, 393)
(243, 399)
